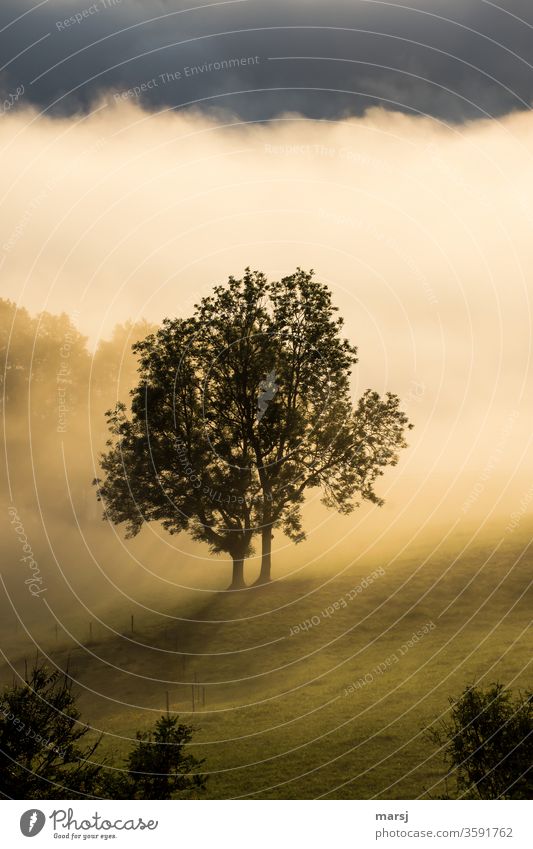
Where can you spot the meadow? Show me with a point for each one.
(314, 686)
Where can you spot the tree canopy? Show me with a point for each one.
(239, 411)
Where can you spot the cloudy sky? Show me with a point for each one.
(452, 59)
(387, 146)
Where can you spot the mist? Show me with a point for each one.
(422, 232)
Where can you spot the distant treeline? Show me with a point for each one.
(54, 394)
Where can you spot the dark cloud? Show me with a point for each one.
(453, 60)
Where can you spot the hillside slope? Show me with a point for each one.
(335, 708)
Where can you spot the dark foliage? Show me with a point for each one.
(487, 743)
(159, 768)
(46, 750)
(239, 411)
(44, 753)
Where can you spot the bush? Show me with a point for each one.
(487, 743)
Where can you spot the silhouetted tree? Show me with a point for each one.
(162, 465)
(487, 743)
(158, 766)
(278, 370)
(41, 737)
(239, 411)
(44, 753)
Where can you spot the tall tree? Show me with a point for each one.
(280, 372)
(162, 464)
(239, 411)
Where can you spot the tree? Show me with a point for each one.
(162, 465)
(279, 370)
(239, 411)
(158, 767)
(41, 737)
(487, 743)
(43, 753)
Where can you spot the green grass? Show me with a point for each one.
(277, 723)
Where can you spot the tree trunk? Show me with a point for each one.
(266, 556)
(237, 580)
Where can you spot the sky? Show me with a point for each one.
(453, 59)
(410, 199)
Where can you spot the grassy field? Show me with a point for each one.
(278, 719)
